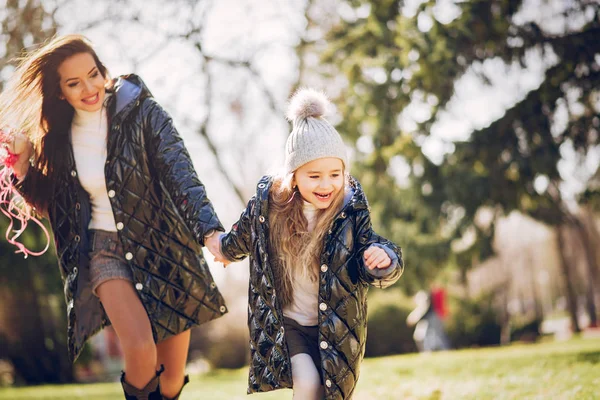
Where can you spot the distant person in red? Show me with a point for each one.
(438, 301)
(427, 317)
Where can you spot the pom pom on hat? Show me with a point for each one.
(312, 136)
(307, 102)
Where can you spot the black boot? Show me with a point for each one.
(149, 392)
(186, 379)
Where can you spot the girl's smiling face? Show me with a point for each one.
(320, 180)
(81, 83)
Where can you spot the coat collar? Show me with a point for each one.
(127, 90)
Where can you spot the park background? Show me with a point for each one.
(473, 127)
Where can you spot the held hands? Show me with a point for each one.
(376, 257)
(213, 244)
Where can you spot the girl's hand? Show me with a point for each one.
(213, 244)
(376, 257)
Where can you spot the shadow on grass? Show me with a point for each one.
(589, 357)
(592, 357)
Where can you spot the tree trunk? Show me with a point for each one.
(571, 295)
(592, 267)
(537, 302)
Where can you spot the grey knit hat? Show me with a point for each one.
(312, 137)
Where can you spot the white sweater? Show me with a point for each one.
(304, 306)
(88, 135)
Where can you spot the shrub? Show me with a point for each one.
(473, 322)
(528, 331)
(387, 332)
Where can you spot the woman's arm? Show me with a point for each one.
(174, 166)
(24, 178)
(22, 149)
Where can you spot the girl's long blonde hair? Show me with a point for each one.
(292, 248)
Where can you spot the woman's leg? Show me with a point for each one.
(307, 383)
(130, 321)
(172, 353)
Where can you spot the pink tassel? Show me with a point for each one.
(8, 201)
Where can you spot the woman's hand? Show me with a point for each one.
(213, 244)
(23, 149)
(376, 257)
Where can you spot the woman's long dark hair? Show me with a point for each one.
(31, 104)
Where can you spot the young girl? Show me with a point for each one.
(103, 161)
(313, 255)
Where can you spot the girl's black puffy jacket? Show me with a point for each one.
(162, 214)
(344, 282)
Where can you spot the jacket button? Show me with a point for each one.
(73, 173)
(120, 226)
(322, 306)
(77, 238)
(111, 193)
(261, 218)
(328, 383)
(324, 268)
(261, 185)
(78, 206)
(343, 215)
(282, 330)
(222, 309)
(213, 285)
(129, 256)
(324, 345)
(139, 286)
(74, 270)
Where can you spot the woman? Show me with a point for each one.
(103, 161)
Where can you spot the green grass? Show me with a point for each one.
(562, 370)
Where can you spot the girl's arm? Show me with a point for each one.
(175, 169)
(236, 244)
(366, 238)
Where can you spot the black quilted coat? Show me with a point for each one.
(342, 295)
(162, 214)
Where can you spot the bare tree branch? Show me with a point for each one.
(203, 131)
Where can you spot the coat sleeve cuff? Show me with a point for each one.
(383, 272)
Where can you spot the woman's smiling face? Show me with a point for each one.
(320, 180)
(81, 83)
